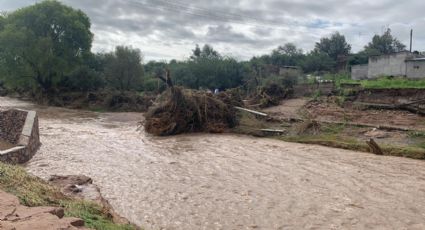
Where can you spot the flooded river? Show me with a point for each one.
(225, 181)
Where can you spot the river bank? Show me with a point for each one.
(28, 202)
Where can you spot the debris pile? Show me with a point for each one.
(181, 111)
(271, 95)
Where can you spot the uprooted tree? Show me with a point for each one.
(180, 111)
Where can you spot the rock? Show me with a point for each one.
(59, 212)
(14, 216)
(76, 222)
(8, 204)
(82, 187)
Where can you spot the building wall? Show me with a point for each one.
(359, 72)
(415, 69)
(388, 65)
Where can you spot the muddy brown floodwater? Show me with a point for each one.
(225, 181)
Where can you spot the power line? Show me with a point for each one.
(204, 13)
(216, 12)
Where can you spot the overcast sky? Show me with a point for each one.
(167, 29)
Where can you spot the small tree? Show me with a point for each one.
(317, 61)
(334, 46)
(124, 69)
(384, 44)
(289, 49)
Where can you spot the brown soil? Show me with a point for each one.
(287, 108)
(14, 216)
(327, 110)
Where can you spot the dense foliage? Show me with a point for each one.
(43, 43)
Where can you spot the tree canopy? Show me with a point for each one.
(384, 44)
(43, 43)
(208, 69)
(334, 46)
(124, 69)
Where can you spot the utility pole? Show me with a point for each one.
(411, 39)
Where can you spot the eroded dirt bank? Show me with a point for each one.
(227, 181)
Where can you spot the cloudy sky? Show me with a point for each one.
(169, 29)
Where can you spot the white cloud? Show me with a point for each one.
(165, 29)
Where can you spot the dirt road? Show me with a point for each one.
(227, 181)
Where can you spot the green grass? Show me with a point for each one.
(388, 83)
(33, 191)
(249, 124)
(336, 141)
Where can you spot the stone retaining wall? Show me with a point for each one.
(11, 124)
(20, 128)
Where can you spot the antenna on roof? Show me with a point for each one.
(411, 39)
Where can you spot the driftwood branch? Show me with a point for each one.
(374, 147)
(251, 111)
(167, 79)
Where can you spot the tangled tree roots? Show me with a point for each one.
(181, 111)
(271, 95)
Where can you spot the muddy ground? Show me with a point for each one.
(329, 110)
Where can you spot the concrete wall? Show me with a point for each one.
(415, 69)
(359, 72)
(388, 65)
(27, 139)
(11, 124)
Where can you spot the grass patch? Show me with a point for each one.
(388, 83)
(33, 191)
(328, 140)
(336, 141)
(249, 124)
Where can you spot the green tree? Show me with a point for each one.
(334, 46)
(359, 58)
(286, 55)
(207, 51)
(317, 61)
(384, 44)
(124, 69)
(289, 49)
(43, 43)
(207, 69)
(196, 53)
